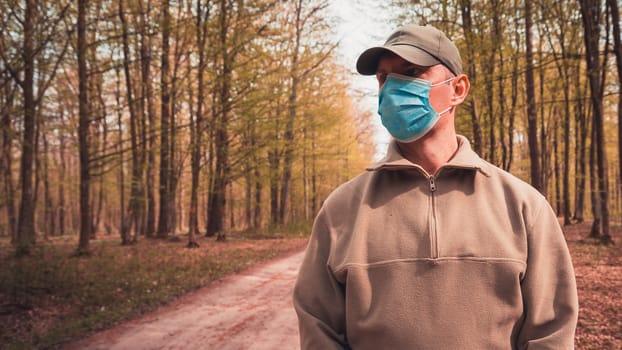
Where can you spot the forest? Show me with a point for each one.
(147, 119)
(545, 102)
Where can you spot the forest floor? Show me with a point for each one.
(598, 270)
(52, 297)
(251, 310)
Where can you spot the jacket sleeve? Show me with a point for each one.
(549, 289)
(318, 296)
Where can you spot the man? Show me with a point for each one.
(433, 247)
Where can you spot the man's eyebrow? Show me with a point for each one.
(415, 66)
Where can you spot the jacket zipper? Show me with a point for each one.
(433, 234)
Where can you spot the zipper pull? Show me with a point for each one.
(432, 184)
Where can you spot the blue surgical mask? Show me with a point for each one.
(404, 107)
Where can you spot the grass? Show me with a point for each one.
(298, 229)
(52, 296)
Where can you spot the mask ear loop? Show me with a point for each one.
(445, 110)
(441, 83)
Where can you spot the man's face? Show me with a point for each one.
(440, 95)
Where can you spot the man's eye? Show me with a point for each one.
(412, 72)
(382, 77)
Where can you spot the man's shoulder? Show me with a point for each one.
(349, 191)
(512, 182)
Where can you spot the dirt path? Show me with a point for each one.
(249, 310)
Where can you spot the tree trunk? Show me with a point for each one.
(532, 117)
(502, 111)
(49, 212)
(61, 180)
(617, 46)
(121, 174)
(314, 194)
(196, 125)
(211, 163)
(289, 155)
(581, 132)
(590, 14)
(134, 207)
(566, 159)
(467, 26)
(147, 100)
(97, 113)
(258, 190)
(195, 158)
(7, 157)
(545, 154)
(248, 195)
(596, 208)
(556, 170)
(37, 165)
(289, 128)
(175, 211)
(83, 132)
(512, 116)
(166, 201)
(216, 219)
(273, 159)
(489, 84)
(25, 226)
(100, 196)
(562, 69)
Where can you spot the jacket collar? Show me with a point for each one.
(465, 158)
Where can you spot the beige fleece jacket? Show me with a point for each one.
(468, 258)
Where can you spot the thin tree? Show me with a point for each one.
(218, 201)
(467, 26)
(49, 209)
(62, 174)
(133, 219)
(196, 123)
(26, 223)
(581, 133)
(489, 70)
(617, 47)
(8, 95)
(591, 15)
(289, 129)
(166, 200)
(532, 116)
(148, 108)
(83, 132)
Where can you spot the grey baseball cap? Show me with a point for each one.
(422, 45)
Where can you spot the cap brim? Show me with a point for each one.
(367, 63)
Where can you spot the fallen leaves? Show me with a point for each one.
(598, 271)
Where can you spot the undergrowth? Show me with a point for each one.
(52, 296)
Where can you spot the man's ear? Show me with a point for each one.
(461, 88)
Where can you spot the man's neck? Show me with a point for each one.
(431, 151)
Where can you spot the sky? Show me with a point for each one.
(361, 24)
